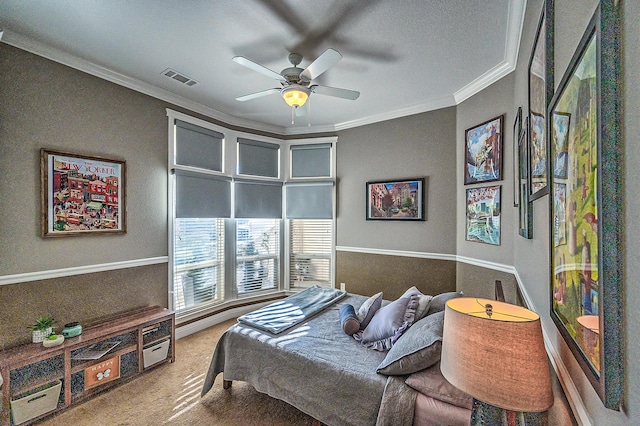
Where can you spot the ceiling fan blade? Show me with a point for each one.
(258, 94)
(257, 67)
(335, 92)
(325, 61)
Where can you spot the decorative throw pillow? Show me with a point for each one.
(418, 348)
(423, 302)
(349, 320)
(431, 382)
(437, 303)
(368, 309)
(388, 324)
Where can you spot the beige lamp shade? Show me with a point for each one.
(498, 359)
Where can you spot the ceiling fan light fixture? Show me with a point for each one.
(295, 95)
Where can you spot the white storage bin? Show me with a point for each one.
(156, 353)
(35, 404)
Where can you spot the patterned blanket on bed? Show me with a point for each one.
(285, 313)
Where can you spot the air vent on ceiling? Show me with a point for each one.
(179, 77)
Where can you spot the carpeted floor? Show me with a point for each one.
(170, 394)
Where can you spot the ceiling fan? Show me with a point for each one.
(296, 82)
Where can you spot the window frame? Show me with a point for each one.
(230, 153)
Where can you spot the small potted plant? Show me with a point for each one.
(42, 329)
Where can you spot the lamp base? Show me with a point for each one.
(483, 414)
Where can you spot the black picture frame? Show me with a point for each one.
(517, 130)
(525, 212)
(483, 151)
(585, 254)
(540, 80)
(396, 200)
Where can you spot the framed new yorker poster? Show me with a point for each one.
(483, 151)
(483, 215)
(585, 234)
(81, 195)
(540, 92)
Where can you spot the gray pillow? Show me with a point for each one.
(418, 348)
(367, 310)
(437, 303)
(388, 324)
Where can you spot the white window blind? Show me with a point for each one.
(198, 262)
(257, 255)
(310, 245)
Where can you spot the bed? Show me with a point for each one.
(335, 378)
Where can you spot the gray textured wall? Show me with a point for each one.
(48, 105)
(414, 146)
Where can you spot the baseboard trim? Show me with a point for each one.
(210, 321)
(79, 270)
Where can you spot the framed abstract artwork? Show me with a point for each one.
(483, 215)
(396, 199)
(586, 220)
(540, 92)
(81, 195)
(483, 151)
(525, 216)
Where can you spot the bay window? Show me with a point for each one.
(250, 216)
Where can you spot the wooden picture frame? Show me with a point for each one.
(586, 220)
(402, 200)
(483, 215)
(540, 80)
(81, 195)
(483, 151)
(525, 213)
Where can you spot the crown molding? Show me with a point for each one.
(515, 23)
(37, 48)
(513, 34)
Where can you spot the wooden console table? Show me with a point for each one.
(146, 338)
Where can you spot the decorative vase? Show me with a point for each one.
(38, 336)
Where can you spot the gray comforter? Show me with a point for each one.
(316, 368)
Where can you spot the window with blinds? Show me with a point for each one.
(257, 255)
(310, 245)
(198, 262)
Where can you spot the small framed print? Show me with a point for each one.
(483, 151)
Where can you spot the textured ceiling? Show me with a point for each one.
(404, 57)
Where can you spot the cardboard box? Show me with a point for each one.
(36, 404)
(156, 353)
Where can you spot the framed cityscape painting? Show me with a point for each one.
(483, 151)
(396, 200)
(483, 215)
(81, 195)
(586, 220)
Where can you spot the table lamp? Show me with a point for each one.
(494, 351)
